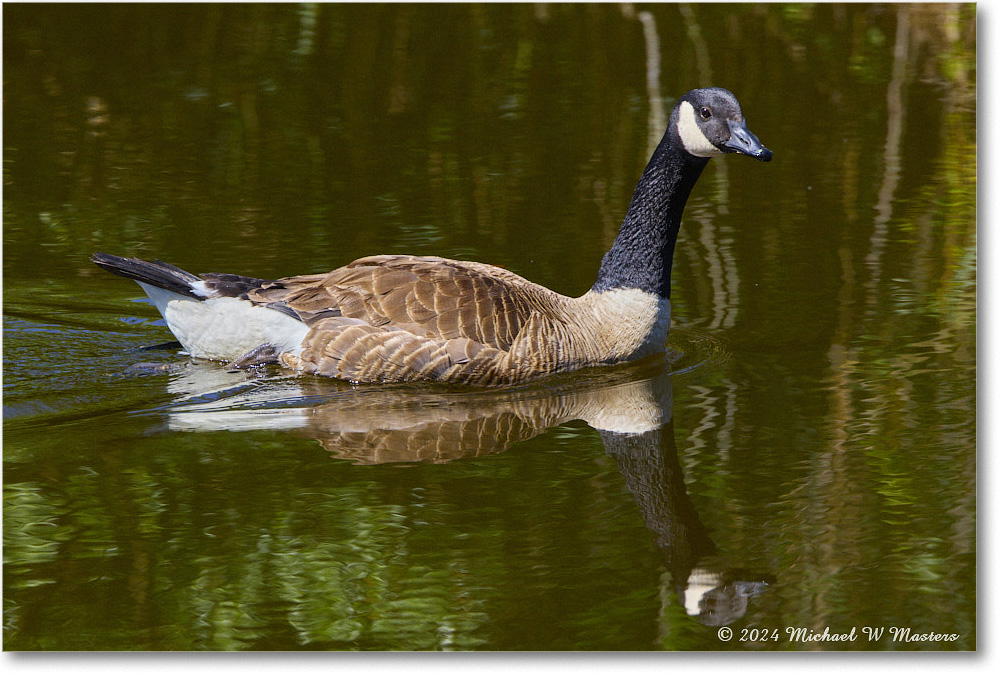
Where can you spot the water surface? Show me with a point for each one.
(803, 455)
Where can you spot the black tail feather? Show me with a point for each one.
(157, 273)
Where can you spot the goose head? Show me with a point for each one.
(709, 123)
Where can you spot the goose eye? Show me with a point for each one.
(705, 113)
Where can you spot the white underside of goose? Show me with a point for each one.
(225, 328)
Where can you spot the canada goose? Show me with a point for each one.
(394, 318)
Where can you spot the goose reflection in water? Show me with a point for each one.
(631, 409)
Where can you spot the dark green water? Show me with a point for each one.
(804, 456)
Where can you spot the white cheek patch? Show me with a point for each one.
(691, 135)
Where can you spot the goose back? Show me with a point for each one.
(401, 318)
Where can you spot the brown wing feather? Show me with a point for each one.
(429, 297)
(350, 349)
(405, 318)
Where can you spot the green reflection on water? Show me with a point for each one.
(825, 431)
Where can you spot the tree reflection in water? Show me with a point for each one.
(631, 409)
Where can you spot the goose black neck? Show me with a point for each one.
(643, 252)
